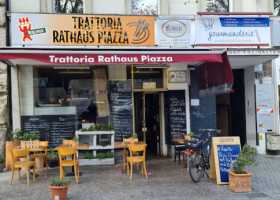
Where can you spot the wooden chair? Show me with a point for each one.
(125, 152)
(42, 156)
(21, 164)
(178, 147)
(139, 148)
(68, 152)
(70, 142)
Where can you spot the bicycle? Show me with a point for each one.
(199, 160)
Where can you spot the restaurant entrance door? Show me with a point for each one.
(147, 120)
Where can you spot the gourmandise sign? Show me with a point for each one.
(85, 30)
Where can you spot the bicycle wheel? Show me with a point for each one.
(196, 167)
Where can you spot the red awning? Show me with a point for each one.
(214, 78)
(214, 75)
(100, 56)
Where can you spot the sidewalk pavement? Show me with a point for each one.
(167, 180)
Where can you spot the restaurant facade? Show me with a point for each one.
(152, 75)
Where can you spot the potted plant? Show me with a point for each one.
(12, 141)
(29, 140)
(239, 179)
(2, 160)
(52, 157)
(134, 138)
(59, 187)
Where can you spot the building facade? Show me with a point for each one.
(4, 119)
(62, 80)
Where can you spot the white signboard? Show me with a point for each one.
(173, 33)
(231, 31)
(265, 107)
(275, 32)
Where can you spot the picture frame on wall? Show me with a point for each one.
(177, 76)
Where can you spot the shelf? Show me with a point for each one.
(94, 132)
(94, 138)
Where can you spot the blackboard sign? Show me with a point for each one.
(176, 113)
(52, 128)
(226, 155)
(121, 109)
(224, 150)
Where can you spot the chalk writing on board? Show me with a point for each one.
(226, 155)
(52, 128)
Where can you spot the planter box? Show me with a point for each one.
(106, 161)
(9, 146)
(29, 144)
(240, 182)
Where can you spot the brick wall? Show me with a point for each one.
(3, 83)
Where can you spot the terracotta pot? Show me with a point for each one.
(10, 145)
(59, 192)
(240, 182)
(38, 163)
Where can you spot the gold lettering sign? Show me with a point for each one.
(103, 30)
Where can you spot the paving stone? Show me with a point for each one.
(168, 180)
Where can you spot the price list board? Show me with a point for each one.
(52, 128)
(224, 151)
(175, 110)
(121, 109)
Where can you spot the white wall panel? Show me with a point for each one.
(108, 7)
(25, 5)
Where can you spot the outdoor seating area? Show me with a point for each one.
(181, 150)
(166, 180)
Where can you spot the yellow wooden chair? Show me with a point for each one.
(42, 155)
(125, 152)
(140, 149)
(21, 164)
(68, 152)
(70, 142)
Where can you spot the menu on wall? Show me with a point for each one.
(176, 113)
(121, 109)
(52, 128)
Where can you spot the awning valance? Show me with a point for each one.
(214, 78)
(131, 56)
(214, 75)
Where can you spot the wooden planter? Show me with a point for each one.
(9, 146)
(240, 182)
(59, 192)
(106, 161)
(29, 144)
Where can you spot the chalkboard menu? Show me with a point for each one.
(52, 128)
(224, 151)
(226, 155)
(175, 111)
(121, 109)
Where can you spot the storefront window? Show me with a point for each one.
(144, 7)
(56, 101)
(217, 6)
(146, 78)
(68, 6)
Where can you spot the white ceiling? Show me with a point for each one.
(241, 62)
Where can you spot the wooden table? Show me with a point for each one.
(119, 145)
(125, 145)
(79, 146)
